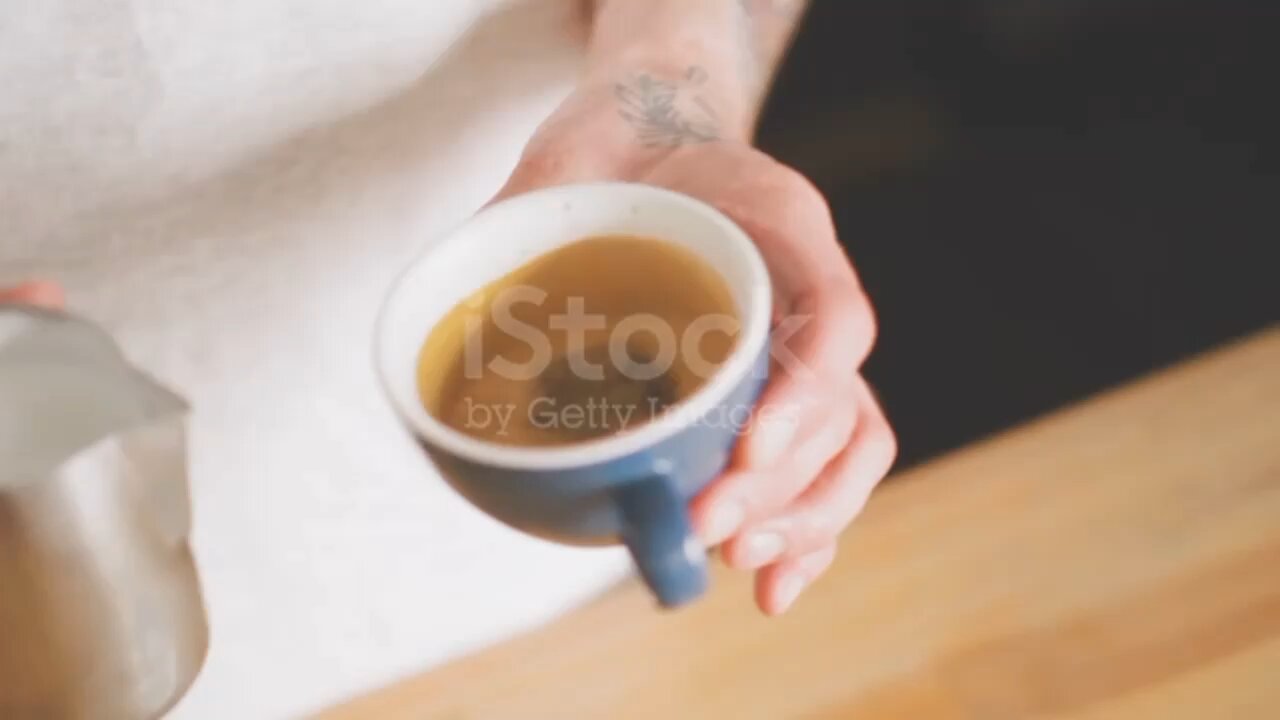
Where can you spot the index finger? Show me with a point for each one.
(816, 351)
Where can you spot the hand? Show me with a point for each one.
(792, 485)
(42, 294)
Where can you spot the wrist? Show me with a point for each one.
(617, 130)
(699, 50)
(668, 102)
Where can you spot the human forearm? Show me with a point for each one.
(773, 25)
(724, 52)
(660, 75)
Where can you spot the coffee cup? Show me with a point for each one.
(633, 486)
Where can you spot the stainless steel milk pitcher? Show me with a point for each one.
(101, 615)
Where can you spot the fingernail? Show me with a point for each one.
(788, 590)
(762, 548)
(724, 520)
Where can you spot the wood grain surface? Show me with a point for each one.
(1120, 559)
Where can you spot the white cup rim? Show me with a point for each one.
(755, 324)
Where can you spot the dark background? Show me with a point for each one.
(1044, 198)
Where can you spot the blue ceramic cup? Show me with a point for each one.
(632, 487)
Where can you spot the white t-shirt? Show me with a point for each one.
(230, 187)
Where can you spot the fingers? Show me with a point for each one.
(778, 586)
(804, 462)
(825, 508)
(746, 496)
(825, 327)
(805, 416)
(816, 350)
(43, 294)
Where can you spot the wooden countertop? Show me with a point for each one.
(1120, 559)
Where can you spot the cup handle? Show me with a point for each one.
(657, 531)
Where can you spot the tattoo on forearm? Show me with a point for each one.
(667, 113)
